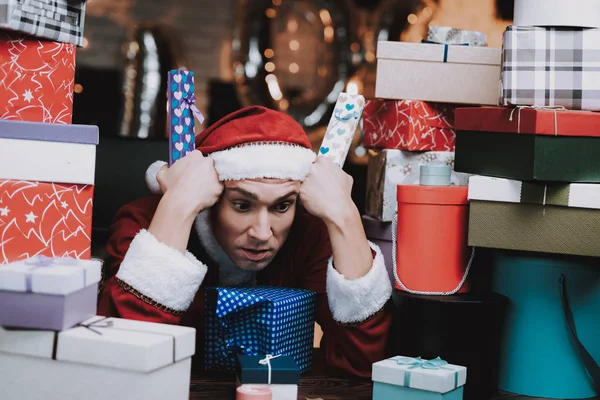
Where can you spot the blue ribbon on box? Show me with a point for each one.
(446, 46)
(337, 114)
(258, 321)
(434, 364)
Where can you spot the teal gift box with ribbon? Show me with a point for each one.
(410, 378)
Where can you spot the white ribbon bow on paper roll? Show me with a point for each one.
(267, 361)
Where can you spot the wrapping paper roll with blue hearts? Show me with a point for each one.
(342, 126)
(181, 114)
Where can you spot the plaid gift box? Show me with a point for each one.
(258, 321)
(59, 20)
(551, 67)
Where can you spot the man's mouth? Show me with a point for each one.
(256, 254)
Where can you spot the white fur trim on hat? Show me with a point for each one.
(151, 180)
(353, 301)
(263, 160)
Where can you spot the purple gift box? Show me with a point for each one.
(380, 233)
(49, 293)
(181, 113)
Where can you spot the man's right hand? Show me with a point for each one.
(189, 186)
(192, 182)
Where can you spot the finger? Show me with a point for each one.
(162, 171)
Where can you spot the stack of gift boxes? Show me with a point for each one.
(532, 204)
(417, 210)
(49, 331)
(535, 196)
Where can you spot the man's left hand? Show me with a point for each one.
(327, 191)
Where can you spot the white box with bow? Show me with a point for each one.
(102, 358)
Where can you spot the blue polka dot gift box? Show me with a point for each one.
(258, 321)
(181, 113)
(410, 378)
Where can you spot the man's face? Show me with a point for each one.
(253, 218)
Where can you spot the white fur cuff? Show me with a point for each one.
(353, 301)
(151, 180)
(161, 272)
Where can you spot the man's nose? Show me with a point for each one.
(261, 228)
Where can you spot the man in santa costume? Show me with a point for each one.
(252, 206)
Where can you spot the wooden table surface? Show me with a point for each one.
(314, 384)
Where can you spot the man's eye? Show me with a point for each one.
(241, 206)
(282, 207)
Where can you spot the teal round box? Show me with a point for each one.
(538, 357)
(435, 175)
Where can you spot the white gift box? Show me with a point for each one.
(110, 358)
(415, 373)
(553, 13)
(438, 73)
(36, 151)
(389, 168)
(49, 293)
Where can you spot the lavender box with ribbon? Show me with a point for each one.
(101, 358)
(181, 113)
(417, 379)
(48, 293)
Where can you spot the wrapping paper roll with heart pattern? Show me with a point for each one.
(181, 113)
(342, 126)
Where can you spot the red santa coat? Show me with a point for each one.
(147, 280)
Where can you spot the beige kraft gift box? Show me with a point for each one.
(438, 73)
(111, 358)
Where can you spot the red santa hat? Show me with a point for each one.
(251, 143)
(257, 142)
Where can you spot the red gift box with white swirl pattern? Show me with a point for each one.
(36, 79)
(408, 125)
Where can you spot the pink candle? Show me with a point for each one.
(251, 392)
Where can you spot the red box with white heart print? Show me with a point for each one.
(36, 79)
(408, 125)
